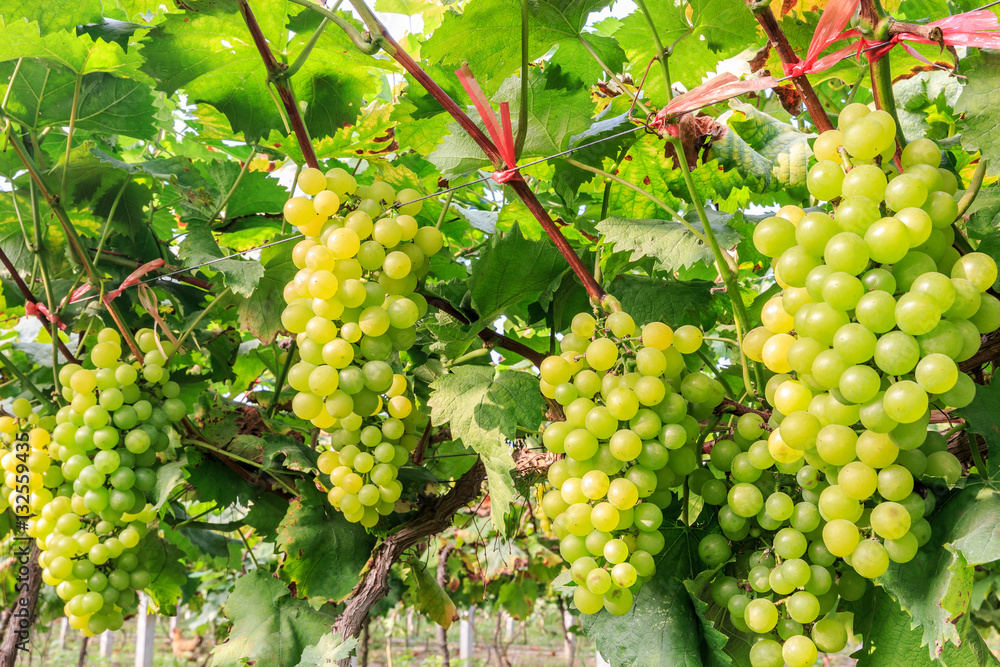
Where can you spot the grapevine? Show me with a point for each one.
(673, 323)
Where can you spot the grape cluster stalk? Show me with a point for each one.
(352, 306)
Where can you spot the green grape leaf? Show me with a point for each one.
(672, 301)
(324, 554)
(330, 649)
(168, 476)
(240, 275)
(431, 600)
(81, 54)
(487, 33)
(53, 15)
(769, 154)
(664, 626)
(717, 30)
(270, 626)
(166, 568)
(421, 123)
(511, 271)
(266, 512)
(183, 52)
(971, 516)
(296, 455)
(981, 417)
(645, 167)
(42, 96)
(978, 102)
(260, 314)
(484, 407)
(205, 546)
(671, 244)
(890, 640)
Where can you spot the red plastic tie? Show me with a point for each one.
(133, 279)
(719, 88)
(500, 133)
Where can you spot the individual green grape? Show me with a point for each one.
(905, 191)
(870, 559)
(825, 179)
(856, 214)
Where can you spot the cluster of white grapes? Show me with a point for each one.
(92, 508)
(352, 307)
(631, 435)
(877, 310)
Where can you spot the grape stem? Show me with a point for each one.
(279, 381)
(522, 115)
(727, 269)
(715, 370)
(197, 321)
(765, 17)
(488, 336)
(229, 457)
(275, 71)
(974, 186)
(737, 408)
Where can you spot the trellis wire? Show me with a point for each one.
(295, 237)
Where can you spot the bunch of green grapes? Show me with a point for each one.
(877, 311)
(96, 505)
(352, 306)
(631, 435)
(366, 453)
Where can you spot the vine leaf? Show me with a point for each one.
(980, 415)
(270, 626)
(935, 588)
(770, 154)
(42, 95)
(324, 554)
(53, 16)
(260, 314)
(511, 271)
(431, 600)
(487, 36)
(484, 407)
(675, 302)
(212, 58)
(671, 244)
(890, 641)
(81, 54)
(330, 649)
(168, 572)
(978, 103)
(240, 275)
